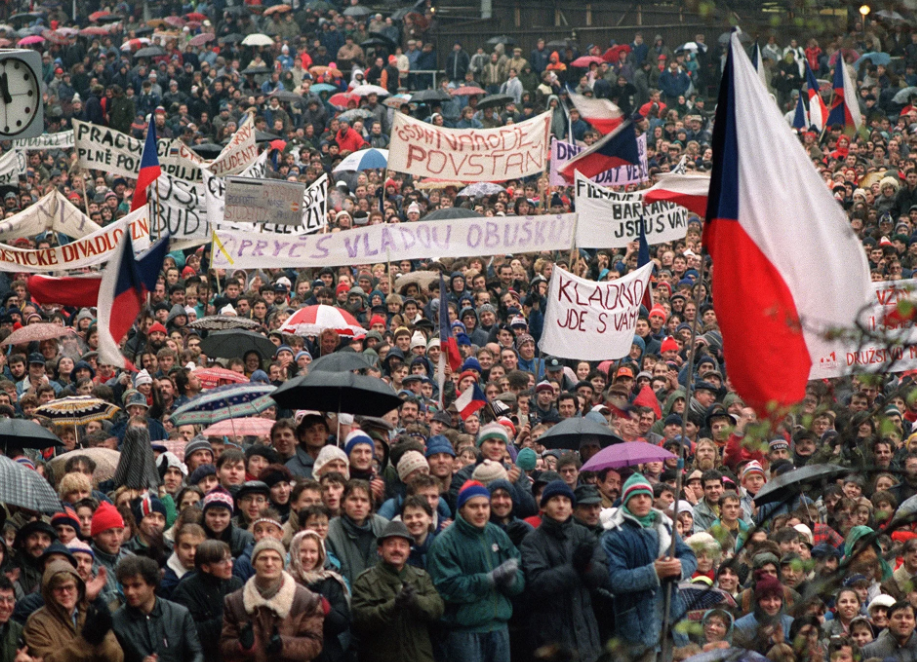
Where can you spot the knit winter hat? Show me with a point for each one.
(328, 454)
(409, 463)
(198, 444)
(141, 378)
(77, 546)
(668, 345)
(488, 471)
(526, 459)
(106, 517)
(557, 488)
(218, 497)
(470, 490)
(439, 444)
(356, 438)
(768, 585)
(68, 518)
(753, 467)
(145, 506)
(201, 473)
(268, 544)
(492, 431)
(636, 484)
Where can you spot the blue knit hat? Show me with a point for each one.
(356, 438)
(147, 505)
(201, 473)
(470, 490)
(557, 488)
(472, 363)
(438, 444)
(526, 459)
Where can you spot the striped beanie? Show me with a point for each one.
(636, 484)
(218, 497)
(492, 431)
(753, 467)
(470, 490)
(356, 438)
(147, 505)
(77, 546)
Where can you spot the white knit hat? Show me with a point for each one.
(410, 462)
(489, 471)
(328, 454)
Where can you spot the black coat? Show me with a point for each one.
(559, 596)
(337, 622)
(203, 595)
(168, 631)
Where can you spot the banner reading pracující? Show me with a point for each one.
(460, 237)
(608, 219)
(469, 155)
(592, 321)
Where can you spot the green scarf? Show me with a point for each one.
(646, 521)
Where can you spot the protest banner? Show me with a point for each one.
(90, 250)
(101, 148)
(60, 140)
(451, 238)
(838, 357)
(469, 155)
(239, 154)
(52, 213)
(608, 219)
(263, 201)
(592, 321)
(562, 151)
(12, 164)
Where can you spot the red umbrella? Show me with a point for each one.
(246, 427)
(31, 39)
(175, 21)
(196, 16)
(216, 376)
(94, 32)
(278, 144)
(37, 333)
(5, 43)
(586, 60)
(95, 16)
(613, 53)
(342, 99)
(54, 37)
(466, 91)
(312, 320)
(202, 39)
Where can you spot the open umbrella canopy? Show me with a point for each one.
(366, 90)
(245, 427)
(285, 95)
(23, 487)
(202, 39)
(150, 51)
(430, 96)
(357, 11)
(223, 322)
(32, 39)
(20, 433)
(585, 60)
(137, 465)
(480, 189)
(344, 99)
(466, 91)
(37, 333)
(448, 213)
(356, 114)
(343, 392)
(795, 482)
(312, 320)
(216, 376)
(364, 159)
(495, 100)
(500, 39)
(257, 39)
(232, 38)
(571, 433)
(223, 402)
(235, 343)
(625, 454)
(339, 362)
(422, 279)
(77, 410)
(208, 151)
(256, 70)
(277, 9)
(323, 87)
(106, 462)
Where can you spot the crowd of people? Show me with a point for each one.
(430, 533)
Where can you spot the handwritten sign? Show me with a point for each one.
(240, 153)
(592, 321)
(469, 155)
(561, 152)
(60, 140)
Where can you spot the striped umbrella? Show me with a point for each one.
(217, 376)
(312, 320)
(24, 487)
(223, 402)
(77, 410)
(255, 427)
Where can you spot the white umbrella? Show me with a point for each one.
(366, 90)
(363, 159)
(689, 46)
(257, 40)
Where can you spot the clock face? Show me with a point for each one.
(20, 96)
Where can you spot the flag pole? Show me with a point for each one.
(679, 474)
(85, 196)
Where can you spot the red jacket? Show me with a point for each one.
(737, 452)
(350, 141)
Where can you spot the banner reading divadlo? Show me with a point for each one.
(592, 321)
(608, 219)
(561, 152)
(60, 140)
(460, 237)
(92, 249)
(470, 155)
(836, 358)
(101, 148)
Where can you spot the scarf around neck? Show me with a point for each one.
(647, 521)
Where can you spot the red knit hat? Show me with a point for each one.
(669, 345)
(768, 586)
(106, 517)
(658, 311)
(376, 319)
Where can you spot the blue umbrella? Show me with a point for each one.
(364, 159)
(323, 87)
(875, 58)
(218, 404)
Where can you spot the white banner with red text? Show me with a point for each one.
(562, 151)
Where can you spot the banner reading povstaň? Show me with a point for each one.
(837, 358)
(90, 250)
(59, 140)
(12, 164)
(469, 155)
(459, 237)
(608, 219)
(101, 148)
(592, 321)
(562, 151)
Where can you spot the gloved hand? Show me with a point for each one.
(582, 555)
(405, 597)
(247, 637)
(274, 644)
(505, 573)
(98, 623)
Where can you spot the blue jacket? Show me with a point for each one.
(639, 598)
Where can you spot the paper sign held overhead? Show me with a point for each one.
(263, 201)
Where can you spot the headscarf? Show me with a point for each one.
(855, 535)
(320, 573)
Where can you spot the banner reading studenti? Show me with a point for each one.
(59, 140)
(608, 219)
(12, 164)
(460, 237)
(562, 151)
(592, 321)
(240, 153)
(52, 213)
(92, 249)
(101, 148)
(469, 155)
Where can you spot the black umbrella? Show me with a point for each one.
(26, 16)
(235, 343)
(264, 136)
(285, 95)
(383, 37)
(795, 482)
(207, 150)
(18, 433)
(426, 96)
(401, 13)
(339, 362)
(150, 51)
(233, 38)
(256, 70)
(495, 100)
(448, 213)
(500, 39)
(137, 464)
(111, 18)
(144, 30)
(342, 392)
(572, 432)
(376, 42)
(318, 5)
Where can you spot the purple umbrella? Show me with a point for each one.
(628, 454)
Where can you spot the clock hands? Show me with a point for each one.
(5, 88)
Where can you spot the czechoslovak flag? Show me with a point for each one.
(689, 191)
(817, 109)
(149, 168)
(618, 148)
(786, 265)
(845, 109)
(600, 113)
(470, 401)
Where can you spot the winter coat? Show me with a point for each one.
(168, 632)
(525, 503)
(704, 517)
(203, 595)
(386, 632)
(51, 635)
(459, 564)
(295, 612)
(112, 590)
(638, 594)
(886, 646)
(347, 543)
(301, 463)
(559, 596)
(337, 620)
(10, 632)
